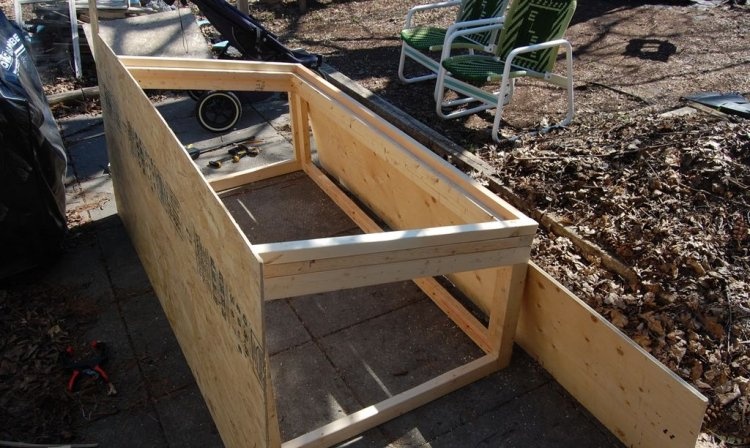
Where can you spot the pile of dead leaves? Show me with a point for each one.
(669, 198)
(37, 324)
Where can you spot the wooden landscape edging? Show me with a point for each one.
(642, 402)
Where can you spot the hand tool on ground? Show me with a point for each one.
(235, 154)
(197, 152)
(90, 366)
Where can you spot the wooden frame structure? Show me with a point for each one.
(441, 223)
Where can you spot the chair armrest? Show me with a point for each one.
(476, 23)
(495, 24)
(415, 9)
(473, 24)
(529, 48)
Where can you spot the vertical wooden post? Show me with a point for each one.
(505, 309)
(299, 110)
(94, 23)
(272, 416)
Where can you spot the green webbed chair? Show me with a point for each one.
(527, 45)
(418, 41)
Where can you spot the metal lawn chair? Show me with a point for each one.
(418, 41)
(527, 45)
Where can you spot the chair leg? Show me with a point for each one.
(401, 64)
(505, 94)
(441, 103)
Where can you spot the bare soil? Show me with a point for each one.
(664, 199)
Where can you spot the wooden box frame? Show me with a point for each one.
(443, 223)
(215, 307)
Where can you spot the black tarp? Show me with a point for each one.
(32, 161)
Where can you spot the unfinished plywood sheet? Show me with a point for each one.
(212, 298)
(640, 400)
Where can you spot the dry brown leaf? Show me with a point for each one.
(617, 318)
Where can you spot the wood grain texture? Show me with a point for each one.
(641, 401)
(211, 296)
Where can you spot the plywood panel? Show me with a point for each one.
(641, 401)
(403, 190)
(211, 296)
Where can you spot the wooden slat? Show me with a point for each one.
(255, 174)
(390, 271)
(186, 78)
(641, 401)
(180, 229)
(371, 416)
(488, 250)
(298, 110)
(398, 240)
(219, 66)
(505, 310)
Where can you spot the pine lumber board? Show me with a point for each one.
(255, 174)
(397, 240)
(636, 397)
(170, 78)
(371, 416)
(355, 276)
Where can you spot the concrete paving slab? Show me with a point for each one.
(80, 269)
(126, 274)
(541, 416)
(399, 350)
(133, 427)
(163, 34)
(161, 361)
(286, 208)
(309, 392)
(434, 420)
(193, 429)
(284, 330)
(327, 313)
